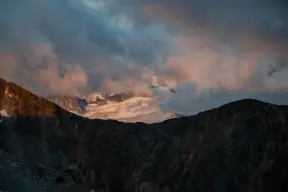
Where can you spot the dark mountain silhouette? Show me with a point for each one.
(241, 146)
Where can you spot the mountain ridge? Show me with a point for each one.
(124, 107)
(241, 146)
(13, 95)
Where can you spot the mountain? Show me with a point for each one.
(73, 104)
(241, 146)
(125, 107)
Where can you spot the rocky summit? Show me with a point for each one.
(238, 147)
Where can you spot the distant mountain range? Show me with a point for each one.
(126, 107)
(241, 146)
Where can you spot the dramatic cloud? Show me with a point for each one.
(210, 52)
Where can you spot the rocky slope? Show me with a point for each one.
(73, 104)
(241, 146)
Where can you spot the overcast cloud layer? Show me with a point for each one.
(211, 52)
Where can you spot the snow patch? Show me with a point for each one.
(4, 113)
(142, 109)
(130, 109)
(94, 96)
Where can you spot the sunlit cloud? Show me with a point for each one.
(203, 49)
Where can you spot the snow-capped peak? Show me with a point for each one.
(125, 107)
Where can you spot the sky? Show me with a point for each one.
(210, 52)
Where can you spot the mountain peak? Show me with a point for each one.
(2, 89)
(230, 148)
(19, 101)
(125, 107)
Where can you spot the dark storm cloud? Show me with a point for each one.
(239, 23)
(26, 22)
(39, 34)
(226, 16)
(32, 35)
(256, 29)
(64, 46)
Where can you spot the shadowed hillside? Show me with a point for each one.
(241, 146)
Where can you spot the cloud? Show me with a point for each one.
(229, 17)
(218, 50)
(211, 99)
(74, 35)
(42, 72)
(227, 48)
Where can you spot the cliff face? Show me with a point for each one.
(241, 146)
(72, 104)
